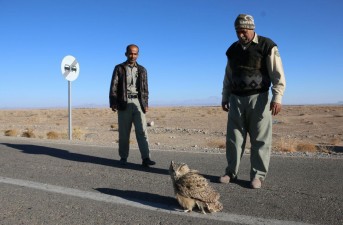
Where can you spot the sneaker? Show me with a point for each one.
(256, 183)
(224, 179)
(148, 162)
(123, 161)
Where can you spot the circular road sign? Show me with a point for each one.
(70, 68)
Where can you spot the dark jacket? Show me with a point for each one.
(118, 88)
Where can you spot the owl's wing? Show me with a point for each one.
(194, 185)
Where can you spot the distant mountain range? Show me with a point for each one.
(210, 101)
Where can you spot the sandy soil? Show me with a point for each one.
(295, 129)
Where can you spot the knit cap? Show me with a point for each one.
(244, 21)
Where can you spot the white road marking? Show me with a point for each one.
(228, 217)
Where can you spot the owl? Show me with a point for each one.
(192, 189)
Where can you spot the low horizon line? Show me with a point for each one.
(94, 106)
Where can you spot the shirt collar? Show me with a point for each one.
(134, 65)
(255, 39)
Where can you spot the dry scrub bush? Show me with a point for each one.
(77, 133)
(64, 135)
(52, 135)
(292, 146)
(131, 141)
(284, 145)
(216, 144)
(306, 147)
(326, 148)
(335, 141)
(28, 133)
(210, 112)
(114, 127)
(11, 133)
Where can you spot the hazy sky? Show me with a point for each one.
(182, 45)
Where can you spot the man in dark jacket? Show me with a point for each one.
(129, 95)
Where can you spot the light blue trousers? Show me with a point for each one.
(249, 115)
(132, 114)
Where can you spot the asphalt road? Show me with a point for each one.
(49, 183)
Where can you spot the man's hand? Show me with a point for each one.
(114, 108)
(225, 106)
(146, 109)
(275, 108)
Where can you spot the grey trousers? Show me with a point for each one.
(249, 115)
(132, 114)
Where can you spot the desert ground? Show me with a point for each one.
(305, 130)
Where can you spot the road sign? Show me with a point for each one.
(70, 68)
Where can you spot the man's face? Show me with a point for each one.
(132, 54)
(245, 35)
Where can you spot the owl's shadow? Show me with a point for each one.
(149, 199)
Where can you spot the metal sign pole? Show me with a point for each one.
(69, 108)
(70, 69)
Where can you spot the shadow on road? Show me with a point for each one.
(66, 155)
(154, 200)
(338, 149)
(242, 183)
(330, 148)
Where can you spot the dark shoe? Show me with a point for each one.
(123, 161)
(147, 162)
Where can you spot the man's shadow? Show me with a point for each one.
(337, 149)
(77, 157)
(149, 199)
(66, 155)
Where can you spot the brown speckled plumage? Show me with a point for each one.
(192, 189)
